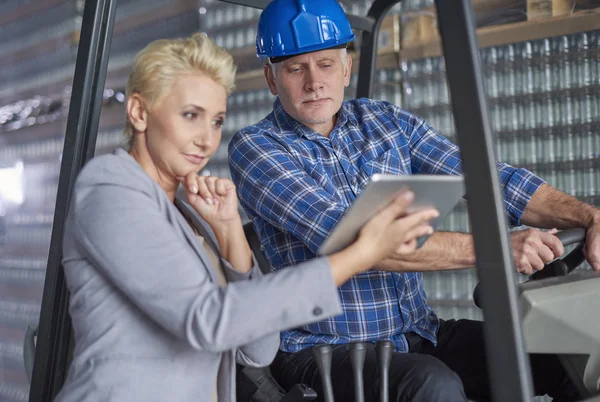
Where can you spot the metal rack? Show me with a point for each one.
(508, 364)
(390, 83)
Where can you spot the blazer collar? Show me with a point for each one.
(186, 211)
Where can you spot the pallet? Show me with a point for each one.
(539, 9)
(421, 27)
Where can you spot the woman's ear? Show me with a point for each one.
(137, 113)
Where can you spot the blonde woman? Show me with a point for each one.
(165, 294)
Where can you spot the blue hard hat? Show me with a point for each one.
(291, 27)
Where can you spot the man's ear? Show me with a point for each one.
(137, 113)
(348, 70)
(270, 76)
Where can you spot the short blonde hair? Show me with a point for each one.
(158, 65)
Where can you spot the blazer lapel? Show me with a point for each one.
(185, 211)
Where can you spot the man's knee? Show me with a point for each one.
(428, 380)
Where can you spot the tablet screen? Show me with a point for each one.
(439, 191)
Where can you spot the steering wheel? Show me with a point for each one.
(559, 267)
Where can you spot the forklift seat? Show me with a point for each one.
(254, 242)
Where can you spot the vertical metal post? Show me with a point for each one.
(54, 335)
(508, 363)
(368, 47)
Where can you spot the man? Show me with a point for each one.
(300, 168)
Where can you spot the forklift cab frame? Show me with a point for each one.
(508, 365)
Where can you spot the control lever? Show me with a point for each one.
(384, 350)
(267, 389)
(357, 358)
(299, 393)
(322, 355)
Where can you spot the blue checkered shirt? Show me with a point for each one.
(296, 184)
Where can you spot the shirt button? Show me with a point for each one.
(317, 311)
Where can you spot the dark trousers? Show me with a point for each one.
(446, 372)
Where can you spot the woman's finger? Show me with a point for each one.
(418, 218)
(223, 186)
(203, 190)
(190, 183)
(407, 247)
(397, 207)
(418, 231)
(211, 184)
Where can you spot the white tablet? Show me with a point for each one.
(439, 191)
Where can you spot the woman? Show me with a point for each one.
(165, 294)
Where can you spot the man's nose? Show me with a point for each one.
(314, 80)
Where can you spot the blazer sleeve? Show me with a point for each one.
(125, 235)
(262, 351)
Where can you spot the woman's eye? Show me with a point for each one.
(190, 115)
(218, 123)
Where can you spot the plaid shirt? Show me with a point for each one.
(296, 184)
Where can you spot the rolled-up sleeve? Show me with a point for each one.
(432, 153)
(273, 185)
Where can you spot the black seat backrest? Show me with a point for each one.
(254, 242)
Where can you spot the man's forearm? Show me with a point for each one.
(548, 208)
(551, 208)
(443, 250)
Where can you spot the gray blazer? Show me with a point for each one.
(150, 321)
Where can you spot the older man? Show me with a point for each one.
(298, 170)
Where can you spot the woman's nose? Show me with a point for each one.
(204, 136)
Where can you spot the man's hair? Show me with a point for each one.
(159, 64)
(343, 53)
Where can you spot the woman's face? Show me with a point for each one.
(183, 127)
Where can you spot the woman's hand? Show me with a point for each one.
(216, 202)
(390, 231)
(213, 198)
(393, 231)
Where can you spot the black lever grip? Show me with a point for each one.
(322, 355)
(571, 236)
(357, 352)
(384, 356)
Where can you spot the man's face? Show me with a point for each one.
(311, 86)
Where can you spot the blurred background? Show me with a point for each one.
(541, 60)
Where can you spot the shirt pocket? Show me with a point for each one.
(325, 178)
(390, 162)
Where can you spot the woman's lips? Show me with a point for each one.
(195, 159)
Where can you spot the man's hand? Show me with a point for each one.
(533, 249)
(591, 249)
(550, 207)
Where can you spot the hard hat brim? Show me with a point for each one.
(279, 59)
